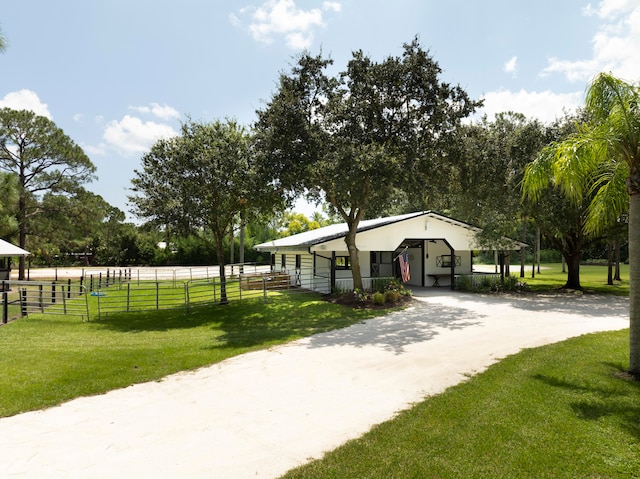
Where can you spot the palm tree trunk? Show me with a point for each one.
(634, 284)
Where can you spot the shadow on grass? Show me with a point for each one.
(397, 330)
(246, 323)
(615, 397)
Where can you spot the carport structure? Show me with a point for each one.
(8, 251)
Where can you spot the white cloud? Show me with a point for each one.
(25, 100)
(78, 118)
(546, 106)
(132, 136)
(608, 8)
(335, 6)
(616, 45)
(100, 150)
(282, 18)
(511, 66)
(164, 112)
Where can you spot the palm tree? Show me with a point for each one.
(602, 161)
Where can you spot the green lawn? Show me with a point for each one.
(592, 278)
(50, 359)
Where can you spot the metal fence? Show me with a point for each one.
(21, 298)
(111, 291)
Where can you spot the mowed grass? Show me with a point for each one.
(593, 278)
(50, 359)
(565, 410)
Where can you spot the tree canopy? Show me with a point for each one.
(204, 179)
(354, 139)
(601, 161)
(43, 159)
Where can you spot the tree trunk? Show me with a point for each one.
(573, 270)
(232, 248)
(221, 266)
(538, 241)
(609, 265)
(350, 240)
(523, 250)
(616, 276)
(533, 259)
(22, 215)
(242, 225)
(634, 284)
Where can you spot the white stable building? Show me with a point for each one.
(438, 248)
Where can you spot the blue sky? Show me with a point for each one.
(117, 75)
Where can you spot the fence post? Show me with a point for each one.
(128, 296)
(69, 288)
(64, 301)
(53, 292)
(264, 287)
(157, 295)
(40, 302)
(5, 303)
(23, 302)
(100, 281)
(108, 277)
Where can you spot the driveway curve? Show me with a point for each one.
(263, 413)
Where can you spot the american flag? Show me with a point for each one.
(404, 267)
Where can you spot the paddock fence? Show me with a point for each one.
(91, 293)
(21, 298)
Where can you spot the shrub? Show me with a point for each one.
(398, 287)
(464, 283)
(379, 298)
(391, 296)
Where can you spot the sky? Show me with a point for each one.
(117, 75)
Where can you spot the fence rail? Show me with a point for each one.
(131, 290)
(46, 297)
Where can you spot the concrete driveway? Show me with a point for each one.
(260, 414)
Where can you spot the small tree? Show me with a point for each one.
(201, 180)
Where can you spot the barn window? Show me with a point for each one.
(342, 262)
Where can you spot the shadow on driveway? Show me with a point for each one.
(438, 309)
(395, 331)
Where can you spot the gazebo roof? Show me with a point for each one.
(7, 249)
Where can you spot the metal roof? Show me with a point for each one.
(7, 249)
(335, 231)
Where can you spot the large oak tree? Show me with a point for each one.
(356, 138)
